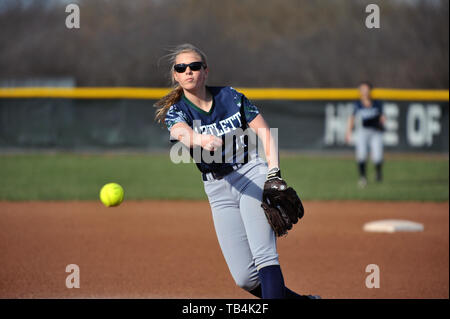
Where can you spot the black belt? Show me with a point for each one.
(222, 173)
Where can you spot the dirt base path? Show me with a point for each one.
(168, 249)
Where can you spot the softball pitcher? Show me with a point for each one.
(369, 134)
(200, 116)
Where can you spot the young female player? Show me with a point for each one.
(201, 116)
(369, 134)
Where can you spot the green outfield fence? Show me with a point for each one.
(123, 118)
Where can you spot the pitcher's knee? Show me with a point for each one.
(266, 260)
(246, 282)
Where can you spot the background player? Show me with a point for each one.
(369, 134)
(201, 116)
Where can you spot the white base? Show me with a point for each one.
(392, 226)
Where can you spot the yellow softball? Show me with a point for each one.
(111, 194)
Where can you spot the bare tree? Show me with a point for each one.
(286, 43)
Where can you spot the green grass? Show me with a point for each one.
(336, 179)
(80, 177)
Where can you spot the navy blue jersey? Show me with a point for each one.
(370, 116)
(224, 117)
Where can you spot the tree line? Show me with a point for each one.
(249, 43)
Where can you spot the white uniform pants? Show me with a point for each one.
(247, 241)
(368, 138)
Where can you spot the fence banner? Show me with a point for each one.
(117, 123)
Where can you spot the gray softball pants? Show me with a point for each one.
(246, 239)
(369, 138)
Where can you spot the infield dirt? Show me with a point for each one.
(168, 249)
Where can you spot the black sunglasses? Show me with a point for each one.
(194, 66)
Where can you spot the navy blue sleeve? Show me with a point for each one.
(175, 115)
(380, 106)
(250, 110)
(355, 108)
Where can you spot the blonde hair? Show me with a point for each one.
(176, 93)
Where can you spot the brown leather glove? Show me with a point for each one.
(281, 204)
